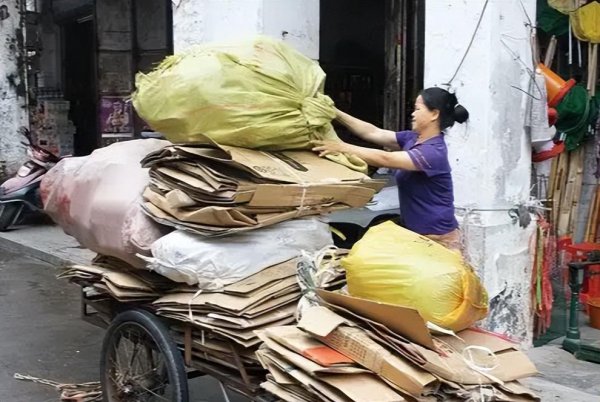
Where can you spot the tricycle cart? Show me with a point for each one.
(146, 357)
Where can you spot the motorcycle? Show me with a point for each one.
(21, 194)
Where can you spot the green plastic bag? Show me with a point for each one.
(259, 94)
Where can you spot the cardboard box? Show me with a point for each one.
(343, 336)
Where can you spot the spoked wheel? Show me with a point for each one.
(140, 362)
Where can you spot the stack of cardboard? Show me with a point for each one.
(133, 286)
(394, 343)
(303, 369)
(217, 329)
(217, 190)
(268, 298)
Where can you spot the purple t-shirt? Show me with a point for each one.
(426, 195)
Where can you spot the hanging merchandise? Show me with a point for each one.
(586, 22)
(555, 148)
(563, 6)
(556, 87)
(550, 20)
(258, 94)
(543, 244)
(586, 27)
(574, 116)
(566, 7)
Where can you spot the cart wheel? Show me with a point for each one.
(140, 362)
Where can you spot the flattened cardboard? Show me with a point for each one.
(280, 376)
(269, 275)
(225, 301)
(287, 166)
(226, 321)
(164, 218)
(277, 195)
(215, 190)
(356, 344)
(359, 387)
(363, 388)
(303, 344)
(323, 391)
(321, 321)
(403, 320)
(450, 365)
(306, 365)
(282, 393)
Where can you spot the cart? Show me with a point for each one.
(142, 360)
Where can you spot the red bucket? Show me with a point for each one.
(594, 312)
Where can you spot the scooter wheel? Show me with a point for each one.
(8, 215)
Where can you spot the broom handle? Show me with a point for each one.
(550, 52)
(594, 68)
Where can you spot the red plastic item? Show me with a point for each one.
(594, 312)
(591, 283)
(552, 116)
(558, 148)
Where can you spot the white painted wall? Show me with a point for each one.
(299, 18)
(13, 112)
(199, 21)
(491, 155)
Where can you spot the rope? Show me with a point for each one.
(85, 392)
(191, 315)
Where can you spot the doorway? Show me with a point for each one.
(79, 82)
(372, 53)
(352, 54)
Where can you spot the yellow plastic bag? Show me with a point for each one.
(586, 22)
(394, 265)
(563, 6)
(259, 94)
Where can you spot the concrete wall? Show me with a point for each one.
(491, 154)
(294, 21)
(13, 88)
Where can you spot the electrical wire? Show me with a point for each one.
(449, 83)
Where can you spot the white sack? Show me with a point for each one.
(213, 263)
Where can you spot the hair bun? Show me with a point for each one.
(461, 114)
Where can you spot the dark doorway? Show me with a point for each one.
(79, 82)
(372, 52)
(352, 53)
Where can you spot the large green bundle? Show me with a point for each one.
(260, 94)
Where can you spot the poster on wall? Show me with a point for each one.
(116, 117)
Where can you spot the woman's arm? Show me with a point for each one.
(373, 157)
(368, 131)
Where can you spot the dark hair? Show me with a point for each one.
(446, 103)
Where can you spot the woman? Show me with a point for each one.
(420, 158)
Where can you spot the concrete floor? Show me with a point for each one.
(42, 336)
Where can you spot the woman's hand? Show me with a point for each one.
(330, 147)
(373, 157)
